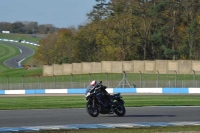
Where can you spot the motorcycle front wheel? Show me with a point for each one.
(120, 110)
(92, 111)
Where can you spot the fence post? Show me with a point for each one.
(157, 78)
(194, 79)
(89, 77)
(71, 80)
(140, 79)
(175, 78)
(8, 82)
(106, 79)
(54, 81)
(183, 84)
(38, 81)
(124, 79)
(22, 81)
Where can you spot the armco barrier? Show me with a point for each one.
(110, 90)
(6, 40)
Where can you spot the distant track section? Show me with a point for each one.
(25, 52)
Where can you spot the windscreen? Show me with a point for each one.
(88, 89)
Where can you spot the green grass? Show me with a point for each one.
(6, 52)
(47, 102)
(19, 72)
(27, 37)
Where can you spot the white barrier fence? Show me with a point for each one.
(110, 90)
(25, 42)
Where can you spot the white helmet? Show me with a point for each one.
(93, 83)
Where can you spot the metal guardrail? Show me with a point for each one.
(123, 80)
(23, 41)
(110, 84)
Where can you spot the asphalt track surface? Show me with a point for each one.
(44, 117)
(25, 52)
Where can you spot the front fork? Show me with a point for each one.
(120, 102)
(93, 102)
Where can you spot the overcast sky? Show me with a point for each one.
(60, 13)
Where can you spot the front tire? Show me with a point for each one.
(94, 112)
(120, 110)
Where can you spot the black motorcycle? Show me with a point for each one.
(112, 103)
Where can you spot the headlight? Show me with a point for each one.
(88, 94)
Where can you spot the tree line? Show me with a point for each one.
(124, 30)
(27, 27)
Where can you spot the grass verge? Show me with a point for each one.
(6, 52)
(27, 37)
(50, 102)
(19, 72)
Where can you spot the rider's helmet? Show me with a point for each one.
(93, 83)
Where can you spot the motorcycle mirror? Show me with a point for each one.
(100, 82)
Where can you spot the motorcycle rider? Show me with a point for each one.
(101, 92)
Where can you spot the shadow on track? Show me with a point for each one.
(144, 116)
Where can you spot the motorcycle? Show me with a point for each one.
(113, 104)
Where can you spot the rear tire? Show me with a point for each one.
(94, 112)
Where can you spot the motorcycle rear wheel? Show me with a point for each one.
(94, 112)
